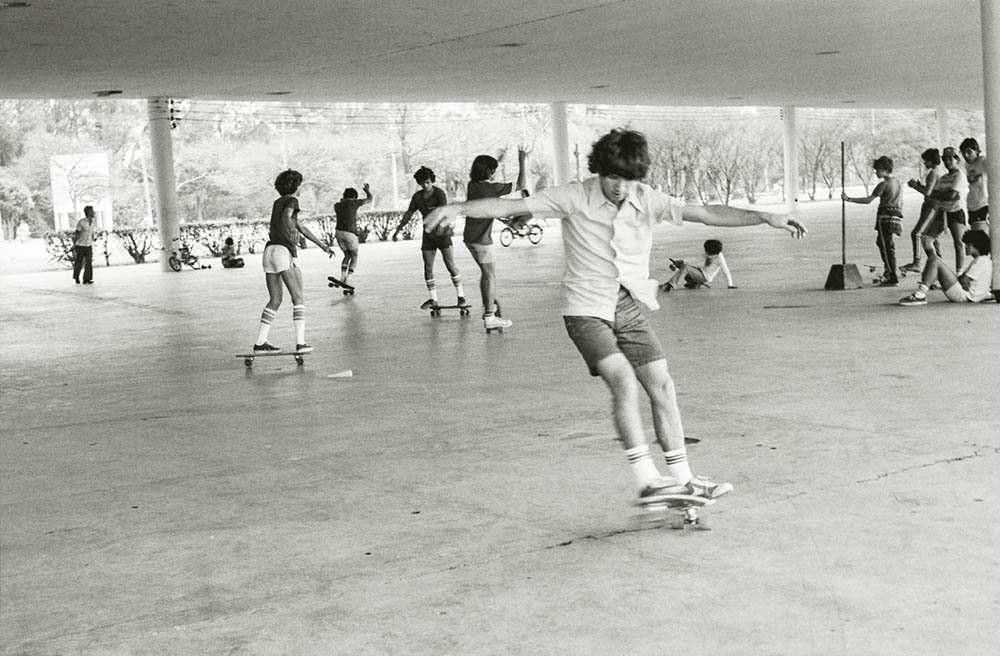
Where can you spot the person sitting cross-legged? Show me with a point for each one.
(972, 285)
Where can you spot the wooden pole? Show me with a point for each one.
(843, 207)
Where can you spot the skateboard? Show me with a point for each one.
(337, 282)
(678, 511)
(872, 268)
(463, 310)
(300, 357)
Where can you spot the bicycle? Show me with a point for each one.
(514, 228)
(182, 255)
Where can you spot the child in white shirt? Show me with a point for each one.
(697, 276)
(972, 285)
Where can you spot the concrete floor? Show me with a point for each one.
(462, 493)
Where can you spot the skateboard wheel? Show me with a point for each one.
(435, 313)
(299, 359)
(248, 362)
(329, 284)
(464, 313)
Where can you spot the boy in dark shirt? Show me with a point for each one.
(346, 231)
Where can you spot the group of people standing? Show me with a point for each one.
(954, 200)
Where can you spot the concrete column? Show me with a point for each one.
(944, 137)
(791, 158)
(162, 145)
(990, 24)
(560, 143)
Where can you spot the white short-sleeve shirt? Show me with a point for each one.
(980, 275)
(976, 173)
(606, 247)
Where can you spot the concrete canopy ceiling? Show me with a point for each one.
(818, 53)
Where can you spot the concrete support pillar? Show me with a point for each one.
(560, 143)
(990, 23)
(944, 136)
(791, 158)
(162, 145)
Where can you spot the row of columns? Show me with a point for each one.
(166, 193)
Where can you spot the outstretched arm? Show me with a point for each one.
(522, 173)
(368, 194)
(863, 200)
(731, 217)
(307, 233)
(444, 217)
(725, 271)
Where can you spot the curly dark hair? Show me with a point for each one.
(350, 192)
(932, 155)
(288, 182)
(424, 173)
(979, 240)
(620, 152)
(713, 246)
(883, 163)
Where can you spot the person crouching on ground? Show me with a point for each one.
(696, 276)
(229, 259)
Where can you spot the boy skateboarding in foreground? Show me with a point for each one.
(607, 235)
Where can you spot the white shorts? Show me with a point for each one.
(956, 294)
(277, 259)
(348, 241)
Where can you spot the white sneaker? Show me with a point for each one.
(701, 486)
(496, 323)
(663, 485)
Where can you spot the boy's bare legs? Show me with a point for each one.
(487, 285)
(957, 230)
(935, 271)
(275, 291)
(429, 257)
(448, 255)
(293, 281)
(659, 385)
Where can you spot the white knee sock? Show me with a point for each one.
(299, 321)
(266, 318)
(642, 465)
(677, 465)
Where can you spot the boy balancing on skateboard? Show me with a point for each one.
(346, 231)
(279, 263)
(607, 234)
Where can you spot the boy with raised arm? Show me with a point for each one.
(608, 223)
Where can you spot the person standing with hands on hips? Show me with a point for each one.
(608, 223)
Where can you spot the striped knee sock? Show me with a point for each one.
(457, 281)
(432, 288)
(266, 318)
(642, 465)
(343, 271)
(677, 465)
(299, 321)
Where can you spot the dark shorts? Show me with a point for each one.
(630, 335)
(435, 242)
(982, 215)
(937, 224)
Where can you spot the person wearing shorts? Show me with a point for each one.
(948, 198)
(932, 162)
(608, 223)
(975, 170)
(424, 201)
(972, 285)
(346, 232)
(279, 264)
(477, 233)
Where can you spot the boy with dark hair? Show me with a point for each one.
(932, 160)
(697, 276)
(972, 285)
(978, 200)
(608, 224)
(346, 231)
(83, 247)
(426, 199)
(888, 218)
(477, 231)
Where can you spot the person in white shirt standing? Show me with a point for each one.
(971, 285)
(83, 247)
(608, 225)
(978, 200)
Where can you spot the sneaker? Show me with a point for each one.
(265, 348)
(303, 348)
(496, 323)
(912, 267)
(912, 300)
(428, 304)
(700, 486)
(462, 302)
(662, 485)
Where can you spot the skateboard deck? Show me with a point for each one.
(463, 310)
(337, 282)
(300, 356)
(677, 511)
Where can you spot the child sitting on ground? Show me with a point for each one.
(229, 259)
(972, 285)
(694, 276)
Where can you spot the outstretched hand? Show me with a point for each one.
(441, 220)
(785, 222)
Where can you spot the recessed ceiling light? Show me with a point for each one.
(600, 86)
(827, 52)
(14, 5)
(848, 102)
(735, 98)
(513, 44)
(108, 92)
(278, 93)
